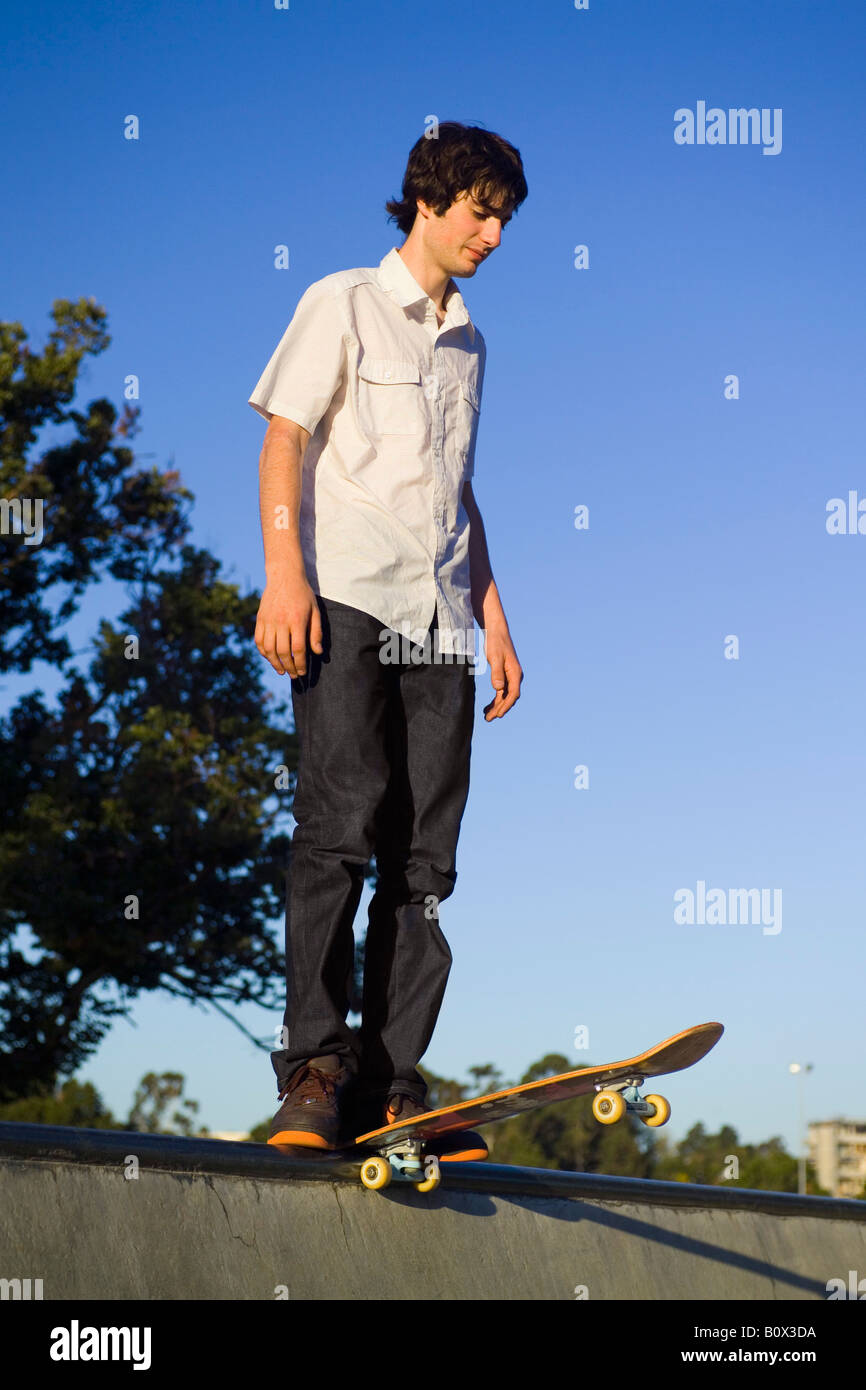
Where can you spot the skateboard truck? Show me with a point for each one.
(617, 1098)
(403, 1161)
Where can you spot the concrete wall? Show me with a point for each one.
(198, 1222)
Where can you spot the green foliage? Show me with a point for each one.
(75, 1103)
(80, 1106)
(699, 1157)
(707, 1158)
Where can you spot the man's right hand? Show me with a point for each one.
(287, 612)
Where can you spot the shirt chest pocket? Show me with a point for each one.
(390, 397)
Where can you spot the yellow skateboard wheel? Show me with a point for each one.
(663, 1111)
(432, 1176)
(608, 1107)
(375, 1173)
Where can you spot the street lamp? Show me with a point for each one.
(797, 1069)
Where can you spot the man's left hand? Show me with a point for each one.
(506, 673)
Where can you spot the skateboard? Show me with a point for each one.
(400, 1151)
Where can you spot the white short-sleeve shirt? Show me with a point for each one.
(391, 400)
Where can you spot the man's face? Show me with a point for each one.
(464, 235)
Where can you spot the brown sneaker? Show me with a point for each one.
(463, 1147)
(310, 1112)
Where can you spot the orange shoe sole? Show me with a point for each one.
(467, 1155)
(301, 1137)
(464, 1156)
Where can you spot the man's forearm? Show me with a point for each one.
(280, 465)
(486, 604)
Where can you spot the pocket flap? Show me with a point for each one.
(386, 372)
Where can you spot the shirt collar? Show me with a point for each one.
(397, 278)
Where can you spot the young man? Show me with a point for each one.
(371, 528)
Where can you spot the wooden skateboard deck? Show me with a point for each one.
(401, 1147)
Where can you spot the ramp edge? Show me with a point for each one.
(34, 1143)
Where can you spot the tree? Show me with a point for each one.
(140, 841)
(97, 514)
(154, 1094)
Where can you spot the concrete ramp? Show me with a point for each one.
(107, 1214)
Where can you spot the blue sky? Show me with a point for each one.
(604, 387)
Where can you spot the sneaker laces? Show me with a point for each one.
(395, 1102)
(310, 1081)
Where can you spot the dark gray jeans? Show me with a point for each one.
(384, 770)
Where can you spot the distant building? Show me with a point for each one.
(837, 1151)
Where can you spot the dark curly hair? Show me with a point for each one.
(462, 158)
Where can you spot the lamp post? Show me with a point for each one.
(799, 1070)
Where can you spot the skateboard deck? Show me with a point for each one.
(401, 1149)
